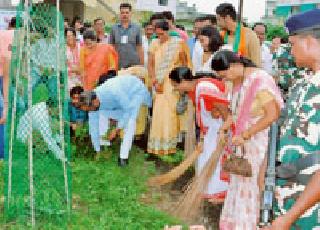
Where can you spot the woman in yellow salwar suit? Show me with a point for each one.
(165, 53)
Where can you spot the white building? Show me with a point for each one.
(6, 4)
(186, 12)
(157, 5)
(278, 10)
(7, 11)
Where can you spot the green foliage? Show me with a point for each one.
(174, 159)
(275, 31)
(80, 142)
(144, 16)
(107, 29)
(40, 94)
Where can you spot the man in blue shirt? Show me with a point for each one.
(127, 39)
(196, 28)
(118, 98)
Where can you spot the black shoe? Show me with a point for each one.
(122, 162)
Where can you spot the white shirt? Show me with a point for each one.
(145, 44)
(206, 67)
(266, 58)
(197, 57)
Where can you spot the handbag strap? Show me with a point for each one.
(242, 151)
(240, 148)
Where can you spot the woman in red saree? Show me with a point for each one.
(96, 59)
(208, 96)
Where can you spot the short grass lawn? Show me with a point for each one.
(106, 196)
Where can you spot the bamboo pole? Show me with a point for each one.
(61, 123)
(20, 40)
(30, 145)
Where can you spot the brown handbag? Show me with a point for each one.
(238, 165)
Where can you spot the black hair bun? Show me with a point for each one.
(181, 73)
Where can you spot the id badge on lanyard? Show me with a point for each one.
(124, 39)
(124, 36)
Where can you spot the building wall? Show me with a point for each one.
(112, 15)
(70, 9)
(278, 10)
(270, 6)
(296, 2)
(91, 13)
(186, 12)
(5, 4)
(153, 5)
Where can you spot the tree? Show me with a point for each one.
(276, 31)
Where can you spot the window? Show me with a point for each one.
(163, 2)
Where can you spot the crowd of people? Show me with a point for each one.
(224, 83)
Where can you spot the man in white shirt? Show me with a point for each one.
(266, 56)
(146, 40)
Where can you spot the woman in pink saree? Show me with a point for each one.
(73, 59)
(256, 103)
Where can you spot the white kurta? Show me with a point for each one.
(266, 58)
(215, 185)
(197, 57)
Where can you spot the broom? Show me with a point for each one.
(189, 205)
(177, 171)
(190, 139)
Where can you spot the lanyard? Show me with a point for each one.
(237, 38)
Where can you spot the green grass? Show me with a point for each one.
(173, 159)
(106, 196)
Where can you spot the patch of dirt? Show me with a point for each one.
(79, 205)
(166, 196)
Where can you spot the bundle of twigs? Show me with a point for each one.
(177, 171)
(189, 205)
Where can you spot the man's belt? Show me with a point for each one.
(292, 171)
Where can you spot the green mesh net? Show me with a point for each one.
(37, 174)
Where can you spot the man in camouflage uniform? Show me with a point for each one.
(298, 193)
(285, 69)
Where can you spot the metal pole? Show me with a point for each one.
(240, 10)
